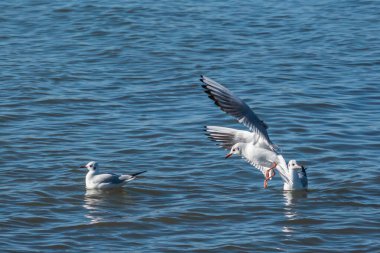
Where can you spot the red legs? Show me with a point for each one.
(267, 177)
(274, 172)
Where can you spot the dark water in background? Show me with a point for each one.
(118, 83)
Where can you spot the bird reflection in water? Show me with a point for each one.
(96, 201)
(290, 208)
(292, 197)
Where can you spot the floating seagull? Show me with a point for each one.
(255, 146)
(95, 180)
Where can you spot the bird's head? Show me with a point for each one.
(294, 165)
(235, 150)
(91, 166)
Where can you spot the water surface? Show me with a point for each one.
(118, 83)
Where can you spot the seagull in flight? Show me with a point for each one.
(95, 180)
(254, 145)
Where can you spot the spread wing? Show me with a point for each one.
(227, 137)
(234, 106)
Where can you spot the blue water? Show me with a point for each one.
(118, 83)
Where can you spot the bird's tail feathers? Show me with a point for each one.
(138, 173)
(131, 177)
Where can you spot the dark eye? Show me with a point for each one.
(233, 150)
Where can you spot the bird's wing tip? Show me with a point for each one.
(138, 173)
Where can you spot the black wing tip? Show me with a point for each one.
(138, 173)
(264, 124)
(208, 91)
(211, 96)
(202, 79)
(205, 82)
(217, 103)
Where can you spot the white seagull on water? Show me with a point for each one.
(95, 180)
(255, 145)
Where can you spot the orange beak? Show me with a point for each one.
(228, 155)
